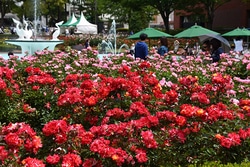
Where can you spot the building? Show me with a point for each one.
(230, 15)
(157, 21)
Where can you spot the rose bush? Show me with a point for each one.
(73, 109)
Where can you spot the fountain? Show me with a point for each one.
(107, 47)
(28, 40)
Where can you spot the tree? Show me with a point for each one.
(51, 9)
(23, 8)
(54, 11)
(91, 10)
(246, 1)
(166, 7)
(5, 7)
(134, 12)
(210, 7)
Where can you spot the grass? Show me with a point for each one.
(5, 47)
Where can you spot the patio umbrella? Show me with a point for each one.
(224, 42)
(194, 31)
(151, 32)
(10, 16)
(238, 32)
(211, 36)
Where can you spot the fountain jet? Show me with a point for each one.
(29, 45)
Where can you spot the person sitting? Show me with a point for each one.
(163, 46)
(206, 47)
(216, 50)
(232, 47)
(141, 48)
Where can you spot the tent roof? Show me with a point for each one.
(71, 21)
(83, 26)
(81, 21)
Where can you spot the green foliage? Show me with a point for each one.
(5, 47)
(136, 14)
(209, 8)
(219, 164)
(238, 69)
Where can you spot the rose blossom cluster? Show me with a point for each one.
(37, 76)
(7, 83)
(18, 137)
(233, 139)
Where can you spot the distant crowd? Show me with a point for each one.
(211, 47)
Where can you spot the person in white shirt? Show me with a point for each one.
(66, 32)
(238, 43)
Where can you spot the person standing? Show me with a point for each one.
(238, 43)
(1, 30)
(141, 48)
(176, 46)
(66, 32)
(163, 46)
(86, 44)
(216, 50)
(132, 49)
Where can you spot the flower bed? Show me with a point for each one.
(72, 109)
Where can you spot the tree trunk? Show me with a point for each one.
(3, 11)
(165, 18)
(210, 17)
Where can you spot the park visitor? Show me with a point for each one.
(86, 44)
(141, 48)
(163, 46)
(206, 47)
(238, 44)
(216, 50)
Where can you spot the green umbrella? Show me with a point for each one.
(238, 32)
(151, 32)
(195, 31)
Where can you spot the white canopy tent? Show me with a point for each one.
(71, 21)
(84, 27)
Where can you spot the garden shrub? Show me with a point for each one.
(71, 108)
